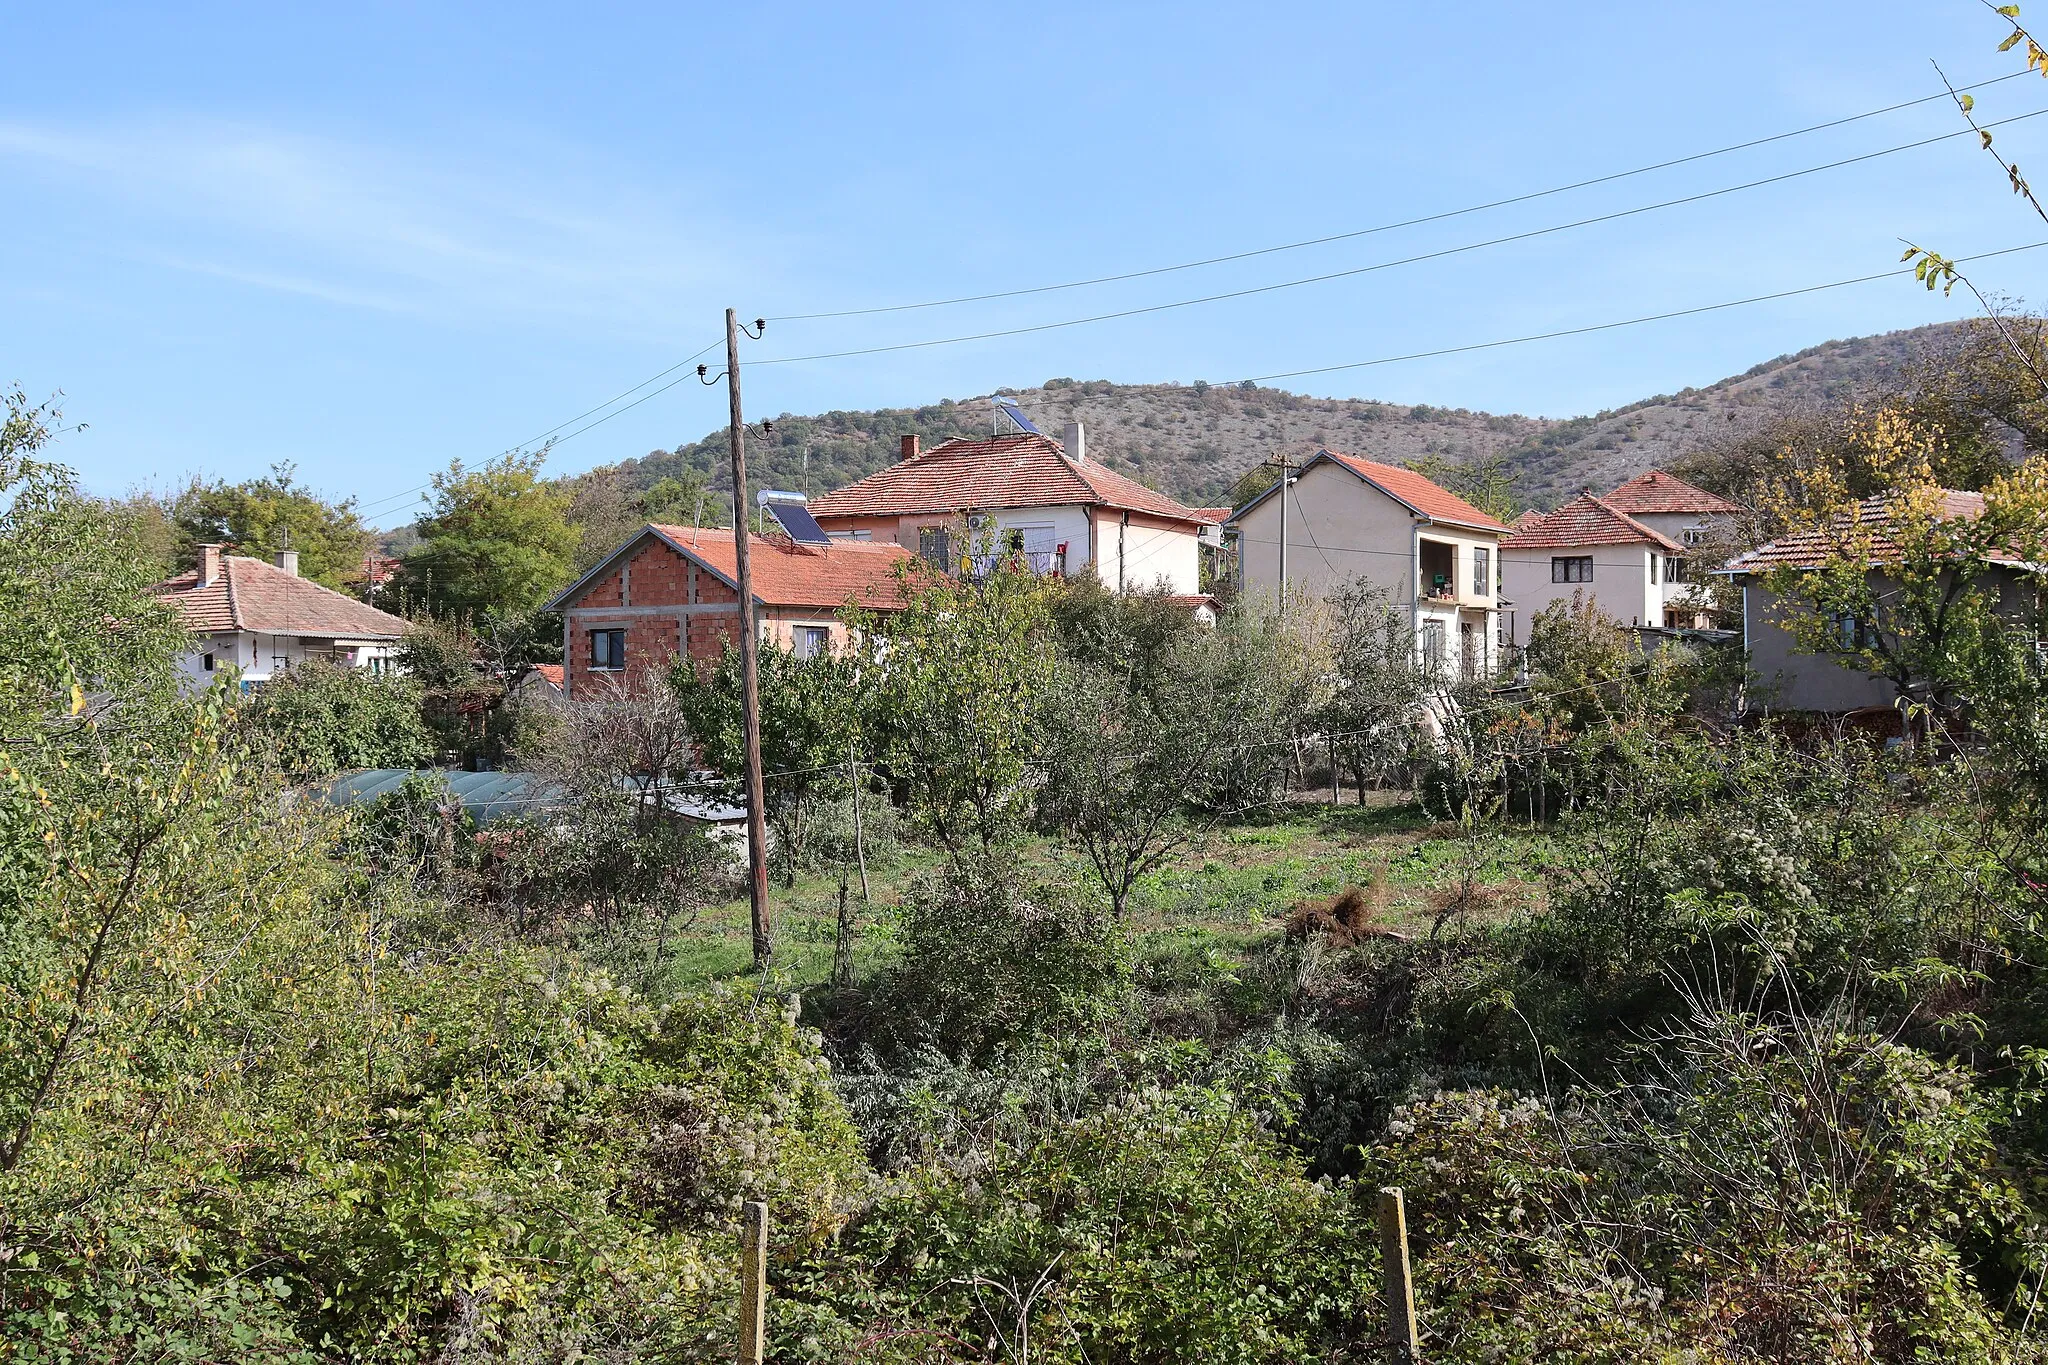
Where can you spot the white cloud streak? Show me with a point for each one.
(482, 238)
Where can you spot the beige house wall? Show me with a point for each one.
(1790, 679)
(1341, 529)
(1621, 585)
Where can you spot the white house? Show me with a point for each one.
(262, 618)
(1698, 521)
(1023, 498)
(1587, 550)
(1343, 518)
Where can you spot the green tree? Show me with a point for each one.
(965, 671)
(1917, 594)
(321, 718)
(262, 516)
(497, 540)
(812, 713)
(1372, 712)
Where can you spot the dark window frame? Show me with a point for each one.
(612, 657)
(1482, 571)
(1571, 568)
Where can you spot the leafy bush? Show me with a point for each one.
(1167, 1226)
(986, 961)
(322, 718)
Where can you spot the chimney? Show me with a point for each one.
(1075, 439)
(209, 564)
(910, 446)
(288, 560)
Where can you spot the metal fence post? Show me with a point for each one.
(1404, 1346)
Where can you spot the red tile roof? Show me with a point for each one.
(789, 575)
(551, 673)
(1407, 486)
(1528, 519)
(1219, 515)
(1657, 492)
(254, 595)
(1587, 520)
(1804, 549)
(983, 473)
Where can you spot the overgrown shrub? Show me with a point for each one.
(986, 961)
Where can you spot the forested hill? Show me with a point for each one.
(1196, 440)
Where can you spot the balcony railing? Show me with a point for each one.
(1035, 562)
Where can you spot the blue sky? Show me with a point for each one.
(369, 242)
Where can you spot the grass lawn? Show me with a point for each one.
(1232, 890)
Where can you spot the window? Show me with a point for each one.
(1013, 540)
(1653, 568)
(607, 651)
(1482, 572)
(1695, 535)
(808, 642)
(935, 546)
(1854, 633)
(207, 660)
(1572, 569)
(1674, 569)
(1433, 644)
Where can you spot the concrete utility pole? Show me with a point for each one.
(750, 644)
(1280, 602)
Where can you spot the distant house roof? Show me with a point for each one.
(784, 574)
(377, 570)
(1584, 521)
(253, 595)
(1528, 519)
(1219, 515)
(1657, 492)
(1805, 549)
(1412, 490)
(984, 473)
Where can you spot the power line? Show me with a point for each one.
(1389, 227)
(1625, 322)
(396, 497)
(1388, 265)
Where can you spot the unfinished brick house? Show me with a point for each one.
(672, 591)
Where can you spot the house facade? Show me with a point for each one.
(672, 591)
(1790, 677)
(1343, 519)
(260, 618)
(1699, 522)
(1587, 550)
(1023, 499)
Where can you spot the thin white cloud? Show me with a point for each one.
(482, 236)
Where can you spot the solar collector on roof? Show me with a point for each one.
(796, 519)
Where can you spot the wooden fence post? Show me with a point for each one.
(753, 1282)
(1403, 1344)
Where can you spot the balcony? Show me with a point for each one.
(1038, 563)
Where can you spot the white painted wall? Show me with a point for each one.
(258, 656)
(1145, 556)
